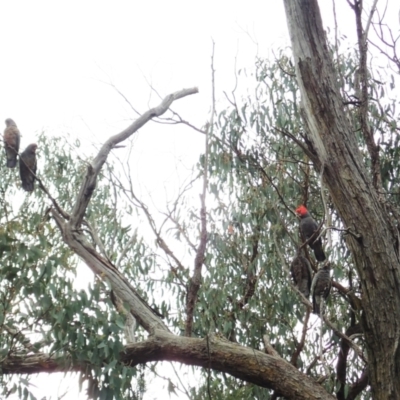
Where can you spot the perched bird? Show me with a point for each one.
(11, 139)
(27, 167)
(301, 274)
(320, 287)
(307, 228)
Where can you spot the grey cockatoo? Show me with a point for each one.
(320, 287)
(308, 227)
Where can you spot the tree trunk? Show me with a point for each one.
(362, 210)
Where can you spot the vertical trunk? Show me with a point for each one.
(350, 185)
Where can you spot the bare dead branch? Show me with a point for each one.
(102, 267)
(392, 44)
(160, 241)
(180, 120)
(89, 183)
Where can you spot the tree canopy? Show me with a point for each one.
(207, 283)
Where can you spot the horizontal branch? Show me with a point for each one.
(265, 370)
(36, 363)
(244, 363)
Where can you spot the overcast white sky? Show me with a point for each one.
(56, 56)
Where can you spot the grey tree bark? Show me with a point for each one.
(360, 204)
(266, 370)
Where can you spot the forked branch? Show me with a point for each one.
(89, 184)
(75, 239)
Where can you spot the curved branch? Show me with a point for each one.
(266, 370)
(89, 184)
(222, 355)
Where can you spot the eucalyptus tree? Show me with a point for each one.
(209, 285)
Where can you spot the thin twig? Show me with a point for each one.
(366, 129)
(195, 280)
(366, 29)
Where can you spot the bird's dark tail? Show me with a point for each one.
(316, 308)
(28, 186)
(11, 162)
(319, 252)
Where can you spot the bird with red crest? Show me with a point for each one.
(309, 230)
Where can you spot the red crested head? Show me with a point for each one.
(301, 211)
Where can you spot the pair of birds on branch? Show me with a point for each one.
(320, 285)
(27, 159)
